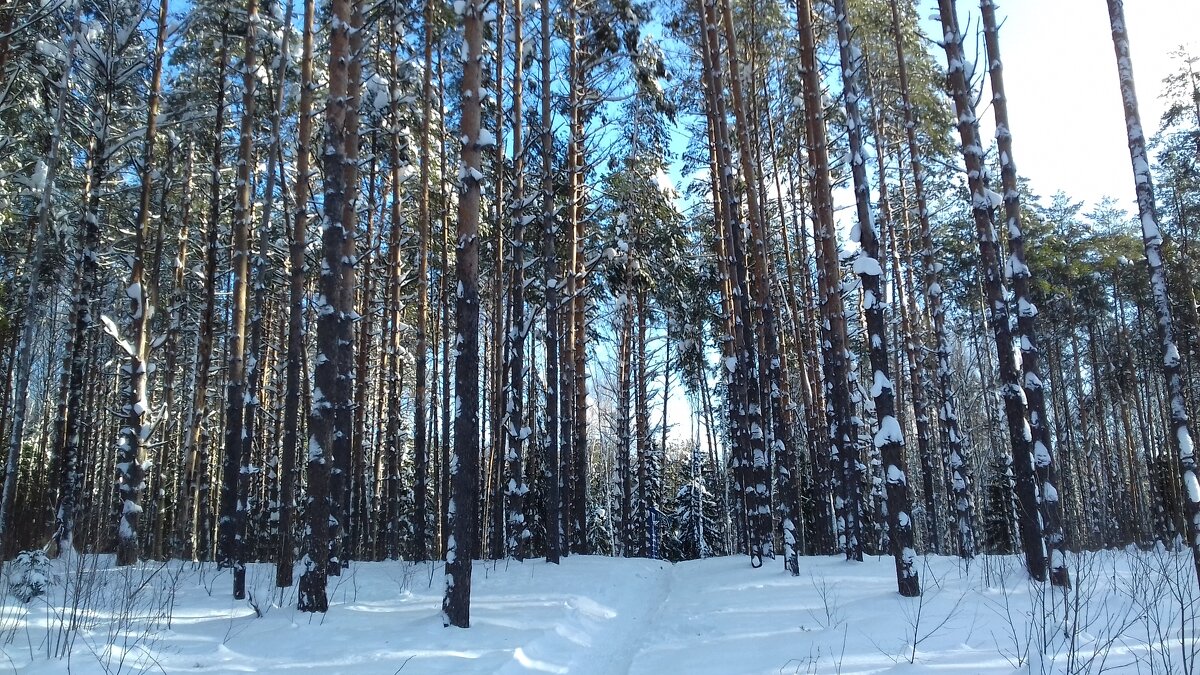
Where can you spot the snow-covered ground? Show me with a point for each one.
(604, 616)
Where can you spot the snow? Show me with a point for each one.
(1193, 487)
(1041, 455)
(1171, 358)
(866, 265)
(994, 199)
(37, 178)
(889, 432)
(609, 616)
(880, 383)
(664, 184)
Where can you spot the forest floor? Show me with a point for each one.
(1128, 612)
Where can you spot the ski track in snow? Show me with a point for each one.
(592, 616)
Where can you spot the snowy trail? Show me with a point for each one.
(615, 608)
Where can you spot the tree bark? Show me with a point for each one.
(846, 476)
(294, 384)
(231, 525)
(464, 465)
(889, 438)
(1181, 437)
(996, 297)
(136, 429)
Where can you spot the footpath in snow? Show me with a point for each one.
(607, 616)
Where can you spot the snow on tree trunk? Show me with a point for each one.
(551, 282)
(624, 440)
(996, 297)
(774, 385)
(513, 415)
(86, 287)
(464, 464)
(231, 524)
(135, 432)
(746, 409)
(951, 436)
(889, 439)
(1181, 437)
(44, 173)
(330, 420)
(293, 386)
(846, 473)
(256, 353)
(1031, 381)
(420, 402)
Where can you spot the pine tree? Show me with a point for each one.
(136, 427)
(1181, 438)
(889, 439)
(330, 421)
(464, 466)
(1035, 395)
(996, 293)
(235, 457)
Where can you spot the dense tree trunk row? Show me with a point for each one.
(366, 337)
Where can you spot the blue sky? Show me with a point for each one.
(1067, 120)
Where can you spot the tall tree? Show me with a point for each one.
(889, 437)
(514, 409)
(1181, 437)
(464, 464)
(955, 448)
(1018, 270)
(421, 402)
(44, 175)
(550, 272)
(295, 327)
(842, 431)
(996, 293)
(136, 428)
(233, 480)
(331, 419)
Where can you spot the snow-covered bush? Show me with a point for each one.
(30, 575)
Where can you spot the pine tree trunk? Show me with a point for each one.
(464, 466)
(1035, 394)
(889, 439)
(233, 480)
(746, 404)
(86, 287)
(624, 441)
(330, 421)
(420, 398)
(135, 432)
(551, 281)
(773, 384)
(294, 384)
(256, 350)
(951, 436)
(496, 492)
(514, 408)
(998, 313)
(842, 432)
(1181, 437)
